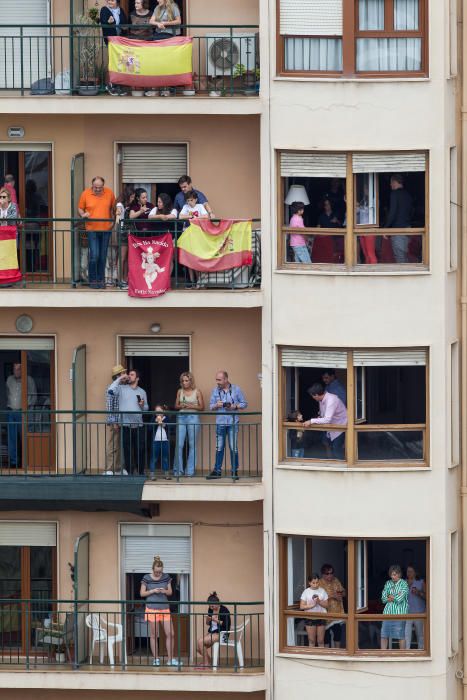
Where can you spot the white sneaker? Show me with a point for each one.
(151, 93)
(174, 662)
(165, 93)
(156, 662)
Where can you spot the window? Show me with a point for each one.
(378, 417)
(455, 405)
(454, 207)
(352, 38)
(360, 620)
(454, 626)
(361, 211)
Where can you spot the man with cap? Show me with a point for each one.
(112, 451)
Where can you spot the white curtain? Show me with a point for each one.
(313, 54)
(389, 55)
(371, 15)
(406, 15)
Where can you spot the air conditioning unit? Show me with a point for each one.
(225, 51)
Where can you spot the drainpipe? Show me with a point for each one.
(462, 34)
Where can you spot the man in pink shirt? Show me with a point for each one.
(331, 412)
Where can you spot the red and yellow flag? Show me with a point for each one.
(208, 247)
(151, 64)
(9, 272)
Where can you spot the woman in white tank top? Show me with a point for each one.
(189, 402)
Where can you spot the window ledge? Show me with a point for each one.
(349, 657)
(370, 79)
(334, 467)
(355, 272)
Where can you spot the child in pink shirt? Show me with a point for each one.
(298, 241)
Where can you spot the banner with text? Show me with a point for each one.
(149, 265)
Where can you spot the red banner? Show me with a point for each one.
(9, 272)
(149, 265)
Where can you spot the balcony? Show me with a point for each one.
(98, 636)
(53, 255)
(71, 59)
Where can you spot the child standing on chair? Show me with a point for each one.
(160, 444)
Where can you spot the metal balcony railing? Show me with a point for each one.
(69, 59)
(42, 442)
(55, 252)
(117, 633)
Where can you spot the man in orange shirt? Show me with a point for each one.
(97, 202)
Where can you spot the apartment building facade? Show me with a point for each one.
(357, 101)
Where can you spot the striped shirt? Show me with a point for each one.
(400, 590)
(112, 408)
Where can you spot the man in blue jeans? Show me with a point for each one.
(226, 400)
(15, 416)
(97, 206)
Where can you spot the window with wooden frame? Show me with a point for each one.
(353, 211)
(352, 38)
(378, 419)
(358, 616)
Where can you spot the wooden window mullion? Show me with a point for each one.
(389, 15)
(349, 242)
(351, 435)
(352, 642)
(348, 38)
(283, 592)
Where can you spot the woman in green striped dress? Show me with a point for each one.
(395, 595)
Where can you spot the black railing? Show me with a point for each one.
(125, 633)
(55, 252)
(91, 443)
(67, 59)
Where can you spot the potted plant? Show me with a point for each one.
(88, 37)
(250, 78)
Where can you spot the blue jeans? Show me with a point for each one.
(98, 242)
(298, 452)
(338, 447)
(188, 427)
(231, 431)
(159, 450)
(14, 432)
(400, 245)
(301, 254)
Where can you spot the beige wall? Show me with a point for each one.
(215, 11)
(223, 152)
(113, 695)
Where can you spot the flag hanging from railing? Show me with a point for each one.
(9, 269)
(209, 247)
(151, 64)
(149, 265)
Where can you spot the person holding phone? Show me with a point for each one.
(132, 402)
(140, 210)
(226, 399)
(314, 599)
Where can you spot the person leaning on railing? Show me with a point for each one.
(8, 209)
(111, 17)
(97, 202)
(166, 20)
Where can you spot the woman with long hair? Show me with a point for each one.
(189, 402)
(166, 20)
(140, 18)
(139, 210)
(124, 202)
(155, 588)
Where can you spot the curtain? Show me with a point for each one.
(371, 15)
(389, 55)
(406, 15)
(313, 54)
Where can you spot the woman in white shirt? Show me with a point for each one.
(314, 599)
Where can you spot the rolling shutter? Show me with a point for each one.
(172, 543)
(29, 534)
(37, 46)
(299, 164)
(156, 347)
(26, 343)
(311, 17)
(386, 358)
(302, 357)
(388, 162)
(153, 162)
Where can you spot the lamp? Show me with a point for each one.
(297, 193)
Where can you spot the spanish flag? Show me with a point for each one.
(208, 247)
(151, 64)
(9, 272)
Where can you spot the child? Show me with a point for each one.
(297, 437)
(193, 210)
(160, 444)
(296, 240)
(314, 599)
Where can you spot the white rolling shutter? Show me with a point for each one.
(153, 162)
(156, 347)
(37, 47)
(388, 162)
(28, 534)
(302, 357)
(385, 358)
(26, 343)
(172, 543)
(311, 17)
(300, 164)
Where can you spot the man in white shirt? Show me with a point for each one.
(15, 405)
(332, 411)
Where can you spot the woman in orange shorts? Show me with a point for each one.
(155, 587)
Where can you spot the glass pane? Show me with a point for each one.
(365, 212)
(315, 632)
(39, 397)
(375, 249)
(371, 15)
(390, 445)
(307, 54)
(10, 588)
(315, 444)
(391, 634)
(360, 412)
(41, 586)
(406, 15)
(35, 237)
(393, 55)
(317, 249)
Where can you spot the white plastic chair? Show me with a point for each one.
(100, 635)
(232, 639)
